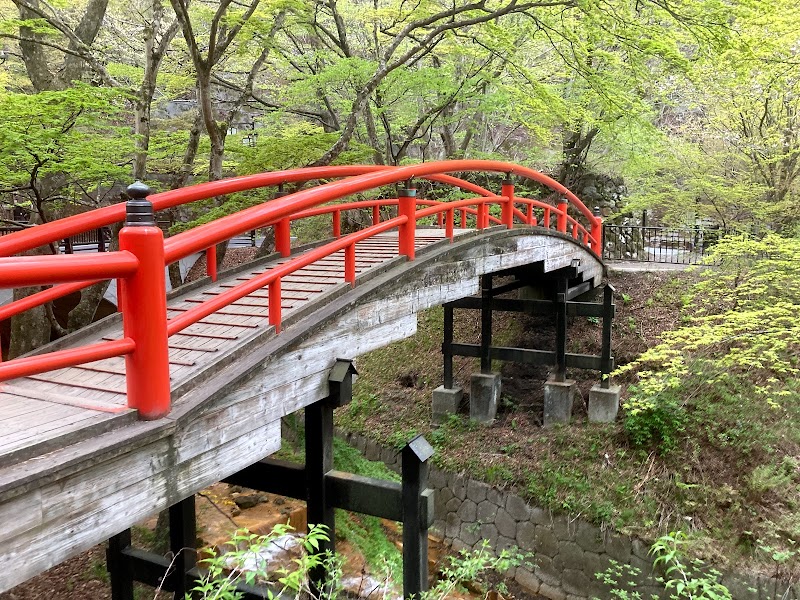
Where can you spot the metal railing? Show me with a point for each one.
(683, 246)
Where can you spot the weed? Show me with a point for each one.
(654, 422)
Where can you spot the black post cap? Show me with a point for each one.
(596, 211)
(139, 210)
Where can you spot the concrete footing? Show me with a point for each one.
(558, 398)
(604, 403)
(445, 403)
(484, 394)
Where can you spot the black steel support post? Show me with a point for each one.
(561, 329)
(416, 511)
(119, 565)
(182, 543)
(447, 346)
(606, 364)
(486, 324)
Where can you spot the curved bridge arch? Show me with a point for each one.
(106, 471)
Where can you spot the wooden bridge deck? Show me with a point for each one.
(43, 412)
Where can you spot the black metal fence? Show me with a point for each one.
(684, 246)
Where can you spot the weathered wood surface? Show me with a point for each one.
(75, 465)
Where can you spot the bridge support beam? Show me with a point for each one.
(446, 398)
(559, 392)
(127, 564)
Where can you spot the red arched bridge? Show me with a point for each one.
(140, 410)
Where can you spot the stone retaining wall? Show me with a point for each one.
(567, 551)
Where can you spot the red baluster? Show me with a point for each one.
(275, 304)
(350, 264)
(283, 239)
(211, 262)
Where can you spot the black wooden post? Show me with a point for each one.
(447, 346)
(486, 324)
(605, 352)
(101, 240)
(182, 543)
(319, 459)
(561, 329)
(417, 510)
(119, 566)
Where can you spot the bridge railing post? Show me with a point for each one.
(211, 262)
(561, 217)
(283, 237)
(597, 232)
(144, 309)
(350, 264)
(407, 206)
(507, 190)
(449, 226)
(274, 303)
(337, 224)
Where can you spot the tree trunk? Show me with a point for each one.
(30, 329)
(86, 31)
(34, 55)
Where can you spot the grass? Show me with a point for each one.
(364, 532)
(730, 479)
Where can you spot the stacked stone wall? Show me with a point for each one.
(567, 551)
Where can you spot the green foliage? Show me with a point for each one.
(472, 567)
(654, 422)
(771, 476)
(242, 561)
(688, 579)
(292, 147)
(62, 145)
(740, 331)
(691, 580)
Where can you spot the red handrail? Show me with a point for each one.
(139, 264)
(222, 229)
(33, 237)
(21, 271)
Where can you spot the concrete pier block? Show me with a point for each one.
(604, 403)
(445, 403)
(484, 394)
(558, 398)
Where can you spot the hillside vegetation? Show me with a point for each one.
(708, 441)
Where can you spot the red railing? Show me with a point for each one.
(140, 262)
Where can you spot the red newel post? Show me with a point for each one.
(507, 190)
(144, 309)
(597, 232)
(407, 206)
(561, 217)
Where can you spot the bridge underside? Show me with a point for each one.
(69, 491)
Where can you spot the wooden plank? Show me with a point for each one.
(62, 399)
(99, 387)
